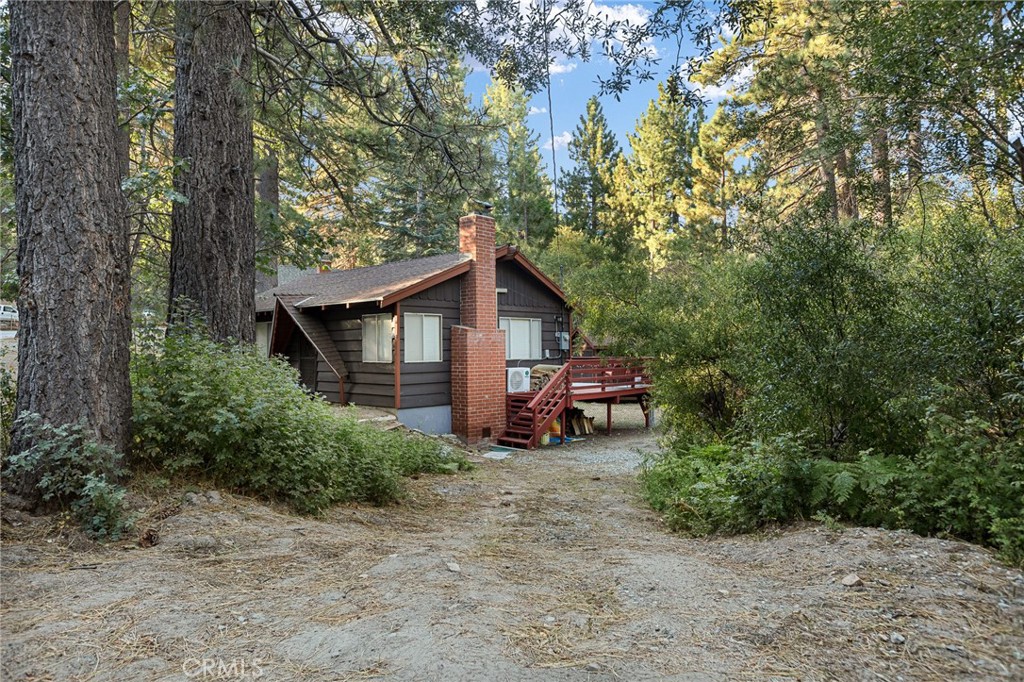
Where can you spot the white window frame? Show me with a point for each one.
(535, 342)
(418, 347)
(263, 331)
(376, 349)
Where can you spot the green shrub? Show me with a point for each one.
(8, 397)
(226, 413)
(967, 481)
(722, 488)
(73, 472)
(821, 351)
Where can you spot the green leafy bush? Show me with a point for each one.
(226, 413)
(722, 488)
(76, 472)
(897, 356)
(967, 481)
(820, 353)
(8, 397)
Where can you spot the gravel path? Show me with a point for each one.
(543, 566)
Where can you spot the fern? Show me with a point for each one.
(844, 483)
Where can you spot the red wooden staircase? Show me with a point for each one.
(603, 380)
(531, 414)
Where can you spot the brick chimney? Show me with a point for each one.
(479, 297)
(478, 346)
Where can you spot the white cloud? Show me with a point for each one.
(562, 67)
(537, 110)
(473, 65)
(561, 141)
(721, 90)
(634, 15)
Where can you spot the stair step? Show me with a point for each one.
(504, 440)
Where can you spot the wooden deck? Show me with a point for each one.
(603, 380)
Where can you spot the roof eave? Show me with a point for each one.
(424, 284)
(509, 252)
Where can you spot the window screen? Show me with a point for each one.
(422, 337)
(376, 338)
(522, 338)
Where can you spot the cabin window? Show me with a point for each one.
(522, 338)
(376, 338)
(422, 337)
(263, 338)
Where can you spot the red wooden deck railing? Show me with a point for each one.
(530, 414)
(604, 378)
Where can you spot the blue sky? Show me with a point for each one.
(573, 82)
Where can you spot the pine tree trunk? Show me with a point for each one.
(213, 235)
(269, 191)
(72, 234)
(881, 183)
(847, 194)
(122, 35)
(725, 206)
(1003, 163)
(826, 168)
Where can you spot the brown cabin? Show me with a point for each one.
(430, 338)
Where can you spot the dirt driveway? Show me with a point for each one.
(543, 566)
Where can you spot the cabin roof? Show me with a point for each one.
(373, 284)
(385, 284)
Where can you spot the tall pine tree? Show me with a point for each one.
(72, 232)
(594, 152)
(213, 235)
(523, 203)
(660, 177)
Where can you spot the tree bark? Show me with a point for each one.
(826, 168)
(725, 205)
(122, 35)
(213, 235)
(72, 233)
(847, 193)
(881, 181)
(269, 191)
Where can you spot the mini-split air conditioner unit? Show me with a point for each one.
(518, 379)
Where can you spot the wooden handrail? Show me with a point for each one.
(557, 379)
(548, 402)
(578, 376)
(604, 373)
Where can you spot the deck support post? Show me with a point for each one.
(561, 424)
(608, 425)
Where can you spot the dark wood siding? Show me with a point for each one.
(526, 297)
(368, 383)
(428, 384)
(304, 358)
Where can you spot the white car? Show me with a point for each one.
(8, 312)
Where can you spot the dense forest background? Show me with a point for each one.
(827, 268)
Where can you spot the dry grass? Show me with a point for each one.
(560, 571)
